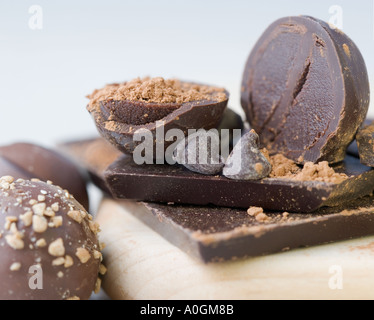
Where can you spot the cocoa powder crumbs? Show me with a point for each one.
(284, 168)
(258, 214)
(157, 90)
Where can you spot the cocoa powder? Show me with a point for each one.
(283, 168)
(157, 90)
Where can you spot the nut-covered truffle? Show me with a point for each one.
(45, 251)
(27, 161)
(119, 110)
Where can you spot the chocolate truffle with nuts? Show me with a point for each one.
(49, 247)
(119, 110)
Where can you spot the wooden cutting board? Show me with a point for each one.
(143, 265)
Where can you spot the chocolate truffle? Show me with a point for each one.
(49, 247)
(27, 161)
(305, 90)
(119, 110)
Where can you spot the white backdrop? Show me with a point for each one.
(47, 66)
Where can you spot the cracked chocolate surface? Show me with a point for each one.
(305, 90)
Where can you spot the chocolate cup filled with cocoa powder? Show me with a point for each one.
(119, 110)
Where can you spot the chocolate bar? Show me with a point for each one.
(213, 234)
(123, 179)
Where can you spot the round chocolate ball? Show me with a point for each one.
(49, 247)
(27, 161)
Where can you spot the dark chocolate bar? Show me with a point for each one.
(123, 179)
(214, 234)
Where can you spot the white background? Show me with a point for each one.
(46, 74)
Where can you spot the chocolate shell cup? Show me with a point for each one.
(305, 90)
(117, 121)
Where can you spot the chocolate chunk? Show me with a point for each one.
(47, 242)
(365, 144)
(213, 234)
(200, 152)
(197, 107)
(164, 183)
(305, 90)
(246, 162)
(26, 161)
(231, 121)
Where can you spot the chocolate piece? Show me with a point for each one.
(231, 121)
(164, 183)
(305, 90)
(353, 148)
(246, 162)
(26, 161)
(365, 144)
(118, 120)
(200, 153)
(214, 234)
(47, 238)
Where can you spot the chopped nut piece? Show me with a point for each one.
(49, 182)
(83, 214)
(68, 261)
(83, 255)
(13, 227)
(39, 208)
(56, 248)
(55, 222)
(97, 285)
(49, 212)
(102, 246)
(9, 220)
(8, 179)
(73, 298)
(58, 261)
(254, 211)
(16, 266)
(75, 215)
(39, 224)
(41, 198)
(97, 254)
(55, 206)
(60, 274)
(15, 241)
(94, 226)
(102, 269)
(32, 202)
(41, 243)
(26, 218)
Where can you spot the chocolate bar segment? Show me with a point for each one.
(305, 90)
(164, 183)
(213, 234)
